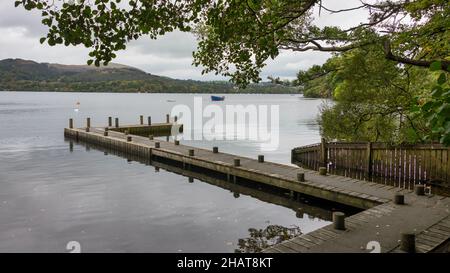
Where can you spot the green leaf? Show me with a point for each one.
(42, 40)
(435, 66)
(89, 62)
(442, 79)
(17, 3)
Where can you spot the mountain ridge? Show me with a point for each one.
(28, 75)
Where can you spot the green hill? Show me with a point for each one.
(25, 75)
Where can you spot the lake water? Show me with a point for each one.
(51, 194)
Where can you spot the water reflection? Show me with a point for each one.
(304, 207)
(259, 239)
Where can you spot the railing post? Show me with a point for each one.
(369, 160)
(323, 153)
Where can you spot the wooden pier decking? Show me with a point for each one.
(382, 220)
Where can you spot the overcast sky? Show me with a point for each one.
(170, 55)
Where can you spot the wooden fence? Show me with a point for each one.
(402, 166)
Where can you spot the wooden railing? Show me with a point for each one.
(402, 166)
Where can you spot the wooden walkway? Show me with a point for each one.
(382, 220)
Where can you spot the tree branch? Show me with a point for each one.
(422, 63)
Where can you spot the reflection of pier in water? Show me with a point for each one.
(303, 207)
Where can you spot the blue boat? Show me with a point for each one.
(217, 98)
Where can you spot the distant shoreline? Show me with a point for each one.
(162, 92)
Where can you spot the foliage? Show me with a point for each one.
(372, 99)
(320, 80)
(436, 108)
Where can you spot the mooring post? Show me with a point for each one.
(88, 122)
(150, 137)
(109, 121)
(175, 118)
(167, 118)
(87, 129)
(408, 242)
(117, 122)
(71, 123)
(399, 199)
(149, 120)
(129, 138)
(323, 153)
(215, 150)
(339, 220)
(157, 145)
(191, 180)
(301, 177)
(237, 162)
(176, 142)
(141, 119)
(191, 152)
(419, 189)
(105, 133)
(369, 160)
(260, 158)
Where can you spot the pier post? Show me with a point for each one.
(191, 152)
(167, 118)
(71, 123)
(105, 133)
(260, 158)
(157, 145)
(399, 199)
(215, 150)
(129, 138)
(141, 119)
(323, 153)
(149, 120)
(301, 177)
(237, 162)
(175, 118)
(150, 137)
(408, 242)
(339, 220)
(419, 189)
(176, 142)
(109, 121)
(88, 122)
(117, 122)
(191, 180)
(323, 170)
(369, 161)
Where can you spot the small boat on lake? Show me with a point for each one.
(217, 98)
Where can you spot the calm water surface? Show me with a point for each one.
(50, 194)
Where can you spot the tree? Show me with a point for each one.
(373, 98)
(435, 108)
(236, 37)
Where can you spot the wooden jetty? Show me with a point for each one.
(399, 220)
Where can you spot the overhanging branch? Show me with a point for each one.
(422, 63)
